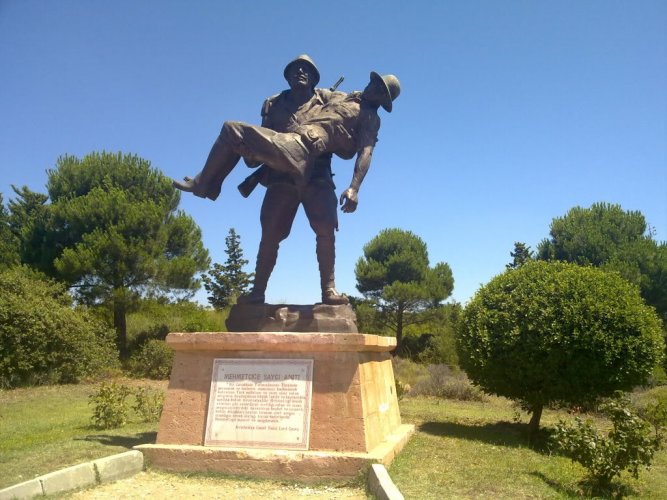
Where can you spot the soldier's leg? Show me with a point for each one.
(236, 139)
(279, 208)
(320, 205)
(223, 157)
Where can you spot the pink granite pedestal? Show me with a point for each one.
(355, 419)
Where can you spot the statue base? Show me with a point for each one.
(354, 415)
(292, 318)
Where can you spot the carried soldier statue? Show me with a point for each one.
(301, 128)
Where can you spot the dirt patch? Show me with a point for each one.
(156, 484)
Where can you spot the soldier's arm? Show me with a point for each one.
(367, 133)
(350, 197)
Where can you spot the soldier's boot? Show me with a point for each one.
(266, 260)
(221, 160)
(326, 257)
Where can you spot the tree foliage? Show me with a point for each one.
(112, 231)
(42, 338)
(225, 283)
(556, 332)
(27, 220)
(9, 243)
(629, 446)
(394, 274)
(520, 255)
(605, 235)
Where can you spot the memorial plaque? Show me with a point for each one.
(260, 403)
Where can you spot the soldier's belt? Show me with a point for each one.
(313, 141)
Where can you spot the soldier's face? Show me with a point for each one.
(374, 91)
(300, 76)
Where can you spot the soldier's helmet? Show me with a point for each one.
(304, 58)
(391, 85)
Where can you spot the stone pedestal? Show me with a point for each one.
(354, 422)
(292, 318)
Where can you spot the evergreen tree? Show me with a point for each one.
(521, 254)
(9, 244)
(609, 237)
(28, 213)
(112, 232)
(394, 274)
(225, 283)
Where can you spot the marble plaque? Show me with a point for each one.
(260, 403)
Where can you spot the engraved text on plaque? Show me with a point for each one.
(261, 403)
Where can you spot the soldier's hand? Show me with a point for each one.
(349, 200)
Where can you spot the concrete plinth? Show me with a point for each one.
(292, 318)
(355, 419)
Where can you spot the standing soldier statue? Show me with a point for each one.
(301, 128)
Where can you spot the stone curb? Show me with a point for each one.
(381, 485)
(99, 471)
(124, 465)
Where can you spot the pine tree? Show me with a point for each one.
(395, 276)
(112, 232)
(225, 283)
(521, 254)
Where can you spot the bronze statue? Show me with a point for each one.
(301, 128)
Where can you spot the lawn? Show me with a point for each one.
(43, 429)
(460, 450)
(478, 450)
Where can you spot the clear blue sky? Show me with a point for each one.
(511, 112)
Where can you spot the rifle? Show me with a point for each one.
(251, 182)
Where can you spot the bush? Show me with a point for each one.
(44, 340)
(553, 332)
(414, 346)
(408, 372)
(152, 360)
(148, 404)
(652, 406)
(154, 319)
(111, 406)
(628, 446)
(441, 324)
(444, 382)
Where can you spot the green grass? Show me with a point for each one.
(43, 429)
(460, 449)
(477, 450)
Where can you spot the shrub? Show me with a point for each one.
(401, 389)
(444, 382)
(652, 406)
(413, 346)
(152, 360)
(148, 404)
(628, 446)
(408, 372)
(43, 339)
(441, 324)
(110, 409)
(549, 332)
(154, 319)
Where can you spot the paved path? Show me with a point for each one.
(156, 485)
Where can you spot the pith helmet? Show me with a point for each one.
(304, 58)
(391, 85)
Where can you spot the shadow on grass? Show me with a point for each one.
(124, 441)
(510, 434)
(588, 488)
(499, 433)
(557, 486)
